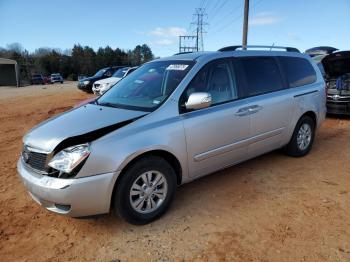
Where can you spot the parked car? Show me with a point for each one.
(37, 79)
(101, 86)
(85, 84)
(56, 78)
(336, 67)
(171, 121)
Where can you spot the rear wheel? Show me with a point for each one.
(145, 190)
(303, 137)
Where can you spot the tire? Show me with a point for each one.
(134, 208)
(305, 130)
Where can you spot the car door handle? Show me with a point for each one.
(243, 111)
(254, 109)
(248, 110)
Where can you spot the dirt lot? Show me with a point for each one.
(272, 208)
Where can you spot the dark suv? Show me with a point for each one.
(337, 75)
(86, 84)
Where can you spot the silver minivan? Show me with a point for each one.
(173, 120)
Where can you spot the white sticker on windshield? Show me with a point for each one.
(137, 81)
(177, 67)
(156, 102)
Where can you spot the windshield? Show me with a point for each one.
(148, 86)
(120, 72)
(100, 72)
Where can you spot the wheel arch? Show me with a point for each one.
(310, 114)
(166, 155)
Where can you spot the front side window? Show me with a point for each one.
(299, 71)
(147, 87)
(216, 79)
(262, 75)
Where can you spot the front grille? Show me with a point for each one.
(35, 160)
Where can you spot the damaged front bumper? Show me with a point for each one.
(74, 197)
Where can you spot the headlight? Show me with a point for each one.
(69, 158)
(86, 82)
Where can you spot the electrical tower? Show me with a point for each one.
(187, 43)
(200, 22)
(194, 42)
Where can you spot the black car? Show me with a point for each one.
(86, 84)
(337, 76)
(37, 79)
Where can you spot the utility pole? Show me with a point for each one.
(245, 24)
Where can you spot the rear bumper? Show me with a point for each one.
(73, 197)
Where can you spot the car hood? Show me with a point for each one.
(112, 80)
(78, 126)
(337, 64)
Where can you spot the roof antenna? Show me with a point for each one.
(273, 44)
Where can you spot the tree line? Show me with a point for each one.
(80, 60)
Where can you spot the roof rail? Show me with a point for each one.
(235, 47)
(181, 53)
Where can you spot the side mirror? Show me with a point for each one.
(198, 101)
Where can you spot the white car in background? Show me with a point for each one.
(101, 86)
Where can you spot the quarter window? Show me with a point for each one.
(216, 79)
(262, 75)
(299, 71)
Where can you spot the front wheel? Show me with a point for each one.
(302, 139)
(145, 190)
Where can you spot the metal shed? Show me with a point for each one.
(9, 72)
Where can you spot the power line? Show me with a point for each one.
(218, 9)
(228, 15)
(235, 19)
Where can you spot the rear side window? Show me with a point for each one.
(299, 71)
(262, 75)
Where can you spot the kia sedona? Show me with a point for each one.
(172, 121)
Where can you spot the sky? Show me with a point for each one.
(158, 23)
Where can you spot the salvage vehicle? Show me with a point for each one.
(101, 86)
(56, 78)
(85, 84)
(337, 75)
(171, 121)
